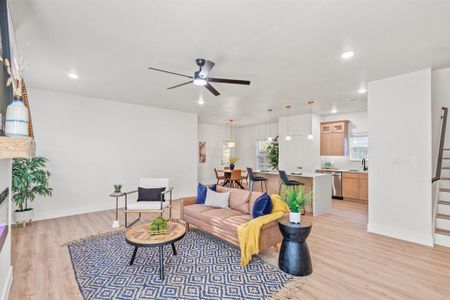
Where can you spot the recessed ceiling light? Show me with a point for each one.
(347, 54)
(73, 76)
(362, 90)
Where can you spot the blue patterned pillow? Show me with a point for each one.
(262, 206)
(201, 192)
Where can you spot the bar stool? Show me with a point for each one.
(287, 182)
(252, 179)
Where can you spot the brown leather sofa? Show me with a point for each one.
(223, 222)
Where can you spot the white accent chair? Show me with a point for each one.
(149, 206)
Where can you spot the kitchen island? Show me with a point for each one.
(318, 183)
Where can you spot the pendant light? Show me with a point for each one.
(310, 135)
(288, 136)
(269, 137)
(231, 143)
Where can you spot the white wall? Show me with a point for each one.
(358, 124)
(400, 157)
(5, 254)
(246, 145)
(310, 152)
(214, 136)
(94, 143)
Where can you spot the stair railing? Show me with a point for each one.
(444, 113)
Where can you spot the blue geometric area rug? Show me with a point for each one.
(204, 268)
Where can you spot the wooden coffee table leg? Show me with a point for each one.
(173, 249)
(161, 262)
(134, 256)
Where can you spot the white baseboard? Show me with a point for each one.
(409, 236)
(8, 283)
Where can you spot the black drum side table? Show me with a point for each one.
(294, 254)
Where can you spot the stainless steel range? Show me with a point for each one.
(336, 182)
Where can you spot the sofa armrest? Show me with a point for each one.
(185, 202)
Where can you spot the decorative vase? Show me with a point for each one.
(23, 216)
(231, 167)
(17, 119)
(294, 217)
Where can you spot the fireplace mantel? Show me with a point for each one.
(17, 147)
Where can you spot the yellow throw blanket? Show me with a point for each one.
(248, 233)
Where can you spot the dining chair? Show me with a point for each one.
(219, 177)
(235, 179)
(284, 180)
(252, 179)
(149, 206)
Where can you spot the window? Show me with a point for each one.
(226, 153)
(262, 159)
(359, 146)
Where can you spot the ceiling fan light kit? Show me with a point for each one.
(201, 78)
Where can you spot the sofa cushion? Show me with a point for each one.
(253, 197)
(217, 215)
(262, 206)
(239, 198)
(232, 223)
(219, 200)
(201, 192)
(196, 210)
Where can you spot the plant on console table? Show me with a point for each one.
(233, 160)
(296, 199)
(29, 179)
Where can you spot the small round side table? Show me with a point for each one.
(294, 254)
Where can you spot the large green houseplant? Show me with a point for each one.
(273, 153)
(29, 179)
(296, 199)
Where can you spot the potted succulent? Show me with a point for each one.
(233, 160)
(296, 199)
(29, 179)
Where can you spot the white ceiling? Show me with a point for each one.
(289, 49)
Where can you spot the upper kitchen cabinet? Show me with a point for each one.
(333, 138)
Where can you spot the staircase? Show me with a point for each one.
(441, 212)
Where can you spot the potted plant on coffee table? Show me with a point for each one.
(296, 199)
(29, 179)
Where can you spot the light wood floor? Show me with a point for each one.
(348, 262)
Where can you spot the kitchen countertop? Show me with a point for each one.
(303, 174)
(344, 170)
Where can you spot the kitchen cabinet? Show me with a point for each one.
(355, 186)
(333, 138)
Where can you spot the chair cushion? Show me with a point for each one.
(216, 216)
(196, 211)
(219, 200)
(150, 194)
(146, 205)
(262, 206)
(239, 198)
(201, 192)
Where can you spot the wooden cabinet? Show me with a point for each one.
(355, 186)
(333, 138)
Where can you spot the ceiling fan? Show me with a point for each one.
(201, 78)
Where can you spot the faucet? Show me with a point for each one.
(365, 168)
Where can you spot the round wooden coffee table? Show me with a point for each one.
(140, 237)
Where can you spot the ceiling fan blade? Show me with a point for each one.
(232, 81)
(173, 73)
(212, 90)
(178, 85)
(206, 68)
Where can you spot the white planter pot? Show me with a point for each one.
(294, 217)
(23, 216)
(16, 123)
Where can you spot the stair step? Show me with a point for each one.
(446, 158)
(442, 231)
(445, 178)
(445, 168)
(442, 216)
(444, 202)
(444, 190)
(446, 148)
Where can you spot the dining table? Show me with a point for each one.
(227, 175)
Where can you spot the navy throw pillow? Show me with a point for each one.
(150, 194)
(262, 206)
(201, 192)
